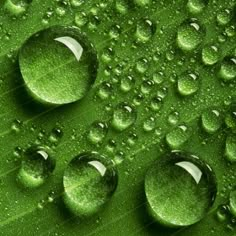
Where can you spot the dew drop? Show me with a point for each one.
(17, 7)
(211, 121)
(144, 31)
(210, 55)
(58, 65)
(232, 202)
(180, 189)
(149, 124)
(89, 182)
(142, 3)
(230, 148)
(228, 69)
(36, 167)
(196, 6)
(124, 116)
(224, 17)
(122, 6)
(190, 35)
(177, 137)
(188, 84)
(127, 83)
(80, 19)
(97, 132)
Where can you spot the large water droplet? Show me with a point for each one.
(190, 35)
(224, 17)
(36, 167)
(89, 182)
(123, 117)
(180, 189)
(58, 65)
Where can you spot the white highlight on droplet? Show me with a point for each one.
(72, 44)
(192, 169)
(99, 166)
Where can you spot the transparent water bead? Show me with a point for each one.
(89, 182)
(58, 65)
(36, 167)
(180, 189)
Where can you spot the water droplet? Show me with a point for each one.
(127, 83)
(211, 121)
(80, 19)
(122, 6)
(58, 65)
(190, 35)
(224, 17)
(89, 182)
(56, 135)
(196, 6)
(230, 148)
(177, 137)
(173, 118)
(156, 103)
(142, 3)
(123, 117)
(97, 132)
(76, 3)
(144, 31)
(222, 213)
(16, 126)
(188, 84)
(146, 87)
(180, 189)
(17, 7)
(232, 202)
(230, 118)
(36, 167)
(210, 55)
(142, 65)
(104, 90)
(149, 124)
(228, 69)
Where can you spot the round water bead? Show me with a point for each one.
(211, 121)
(17, 7)
(230, 147)
(188, 84)
(228, 69)
(196, 6)
(190, 35)
(36, 167)
(232, 202)
(58, 65)
(180, 189)
(124, 116)
(89, 182)
(210, 55)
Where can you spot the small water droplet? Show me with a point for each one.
(230, 147)
(177, 137)
(211, 121)
(97, 132)
(144, 31)
(124, 116)
(196, 6)
(36, 167)
(224, 17)
(188, 84)
(210, 55)
(228, 69)
(17, 7)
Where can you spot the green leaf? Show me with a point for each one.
(126, 98)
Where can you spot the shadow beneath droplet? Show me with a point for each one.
(151, 226)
